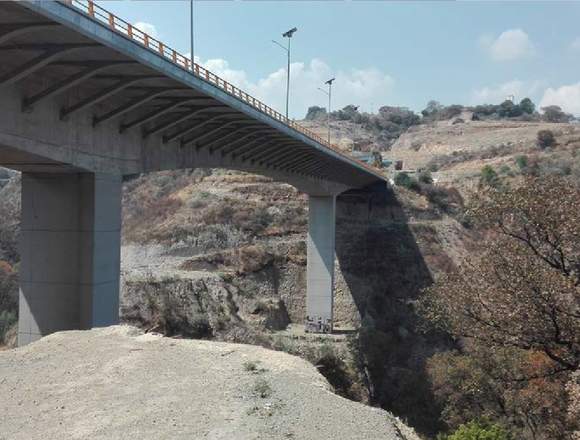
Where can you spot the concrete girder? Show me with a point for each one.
(275, 151)
(302, 160)
(179, 134)
(119, 111)
(102, 95)
(157, 113)
(287, 151)
(178, 120)
(298, 169)
(317, 170)
(40, 61)
(212, 132)
(264, 147)
(233, 149)
(249, 149)
(234, 142)
(16, 30)
(69, 82)
(225, 136)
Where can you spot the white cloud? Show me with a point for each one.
(567, 97)
(355, 86)
(510, 45)
(497, 93)
(148, 28)
(575, 45)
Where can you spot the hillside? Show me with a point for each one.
(119, 383)
(456, 153)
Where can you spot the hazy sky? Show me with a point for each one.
(381, 52)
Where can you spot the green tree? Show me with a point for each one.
(478, 431)
(315, 113)
(554, 113)
(527, 106)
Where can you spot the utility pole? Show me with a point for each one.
(287, 34)
(329, 93)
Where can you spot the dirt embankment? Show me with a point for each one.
(118, 383)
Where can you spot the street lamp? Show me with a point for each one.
(329, 93)
(287, 34)
(191, 33)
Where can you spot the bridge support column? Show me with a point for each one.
(320, 263)
(70, 251)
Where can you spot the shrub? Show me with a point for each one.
(546, 139)
(489, 177)
(478, 431)
(262, 388)
(522, 162)
(406, 181)
(7, 320)
(425, 177)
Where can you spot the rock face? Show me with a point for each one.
(118, 383)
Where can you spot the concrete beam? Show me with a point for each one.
(12, 31)
(101, 96)
(180, 133)
(235, 142)
(69, 82)
(286, 150)
(209, 134)
(137, 102)
(320, 263)
(157, 113)
(40, 61)
(70, 250)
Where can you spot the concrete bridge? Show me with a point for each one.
(85, 99)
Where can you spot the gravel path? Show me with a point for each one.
(117, 383)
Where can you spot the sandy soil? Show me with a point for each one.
(117, 383)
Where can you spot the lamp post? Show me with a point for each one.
(329, 93)
(287, 34)
(191, 33)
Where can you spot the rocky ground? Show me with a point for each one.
(119, 383)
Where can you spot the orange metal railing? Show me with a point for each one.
(96, 12)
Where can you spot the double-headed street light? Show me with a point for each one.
(329, 93)
(287, 34)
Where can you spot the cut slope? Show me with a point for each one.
(118, 383)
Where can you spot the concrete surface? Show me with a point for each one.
(117, 383)
(320, 262)
(70, 252)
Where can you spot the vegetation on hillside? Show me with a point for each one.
(514, 310)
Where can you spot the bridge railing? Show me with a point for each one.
(96, 12)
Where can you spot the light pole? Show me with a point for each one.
(191, 33)
(329, 93)
(287, 34)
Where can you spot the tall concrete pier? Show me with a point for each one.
(70, 243)
(320, 263)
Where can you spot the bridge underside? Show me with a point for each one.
(82, 105)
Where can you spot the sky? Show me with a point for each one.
(399, 53)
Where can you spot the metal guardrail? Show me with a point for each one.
(96, 12)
